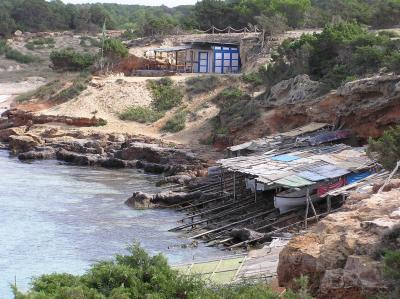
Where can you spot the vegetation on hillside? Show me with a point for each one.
(165, 93)
(177, 122)
(201, 84)
(138, 275)
(339, 53)
(141, 114)
(41, 15)
(71, 60)
(55, 90)
(166, 96)
(386, 149)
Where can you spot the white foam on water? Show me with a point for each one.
(4, 97)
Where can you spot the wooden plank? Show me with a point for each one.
(232, 224)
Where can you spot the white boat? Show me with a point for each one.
(290, 200)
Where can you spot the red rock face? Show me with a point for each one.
(17, 118)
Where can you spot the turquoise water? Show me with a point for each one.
(60, 218)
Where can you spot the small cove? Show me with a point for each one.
(62, 218)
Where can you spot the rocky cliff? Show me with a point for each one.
(367, 106)
(340, 254)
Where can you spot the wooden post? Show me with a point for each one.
(307, 207)
(222, 180)
(328, 203)
(176, 60)
(255, 190)
(234, 185)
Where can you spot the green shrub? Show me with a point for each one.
(3, 46)
(386, 149)
(70, 60)
(137, 275)
(141, 114)
(338, 52)
(166, 94)
(115, 49)
(301, 292)
(176, 123)
(201, 84)
(19, 57)
(393, 63)
(253, 78)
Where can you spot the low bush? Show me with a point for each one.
(115, 49)
(166, 95)
(19, 57)
(253, 78)
(141, 114)
(70, 60)
(176, 123)
(40, 43)
(386, 149)
(236, 110)
(201, 84)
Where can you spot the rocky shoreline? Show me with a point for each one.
(32, 137)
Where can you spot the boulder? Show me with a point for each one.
(140, 200)
(6, 133)
(113, 163)
(245, 234)
(77, 159)
(21, 144)
(297, 89)
(45, 153)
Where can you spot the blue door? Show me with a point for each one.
(203, 62)
(226, 60)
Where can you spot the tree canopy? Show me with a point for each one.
(41, 15)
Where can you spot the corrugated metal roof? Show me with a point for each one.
(172, 49)
(294, 181)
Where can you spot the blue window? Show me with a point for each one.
(226, 60)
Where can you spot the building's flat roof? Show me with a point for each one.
(172, 49)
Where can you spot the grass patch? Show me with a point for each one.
(141, 114)
(176, 123)
(40, 43)
(201, 84)
(166, 95)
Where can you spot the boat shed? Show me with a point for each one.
(199, 57)
(301, 168)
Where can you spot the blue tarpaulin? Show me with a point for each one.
(285, 158)
(355, 177)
